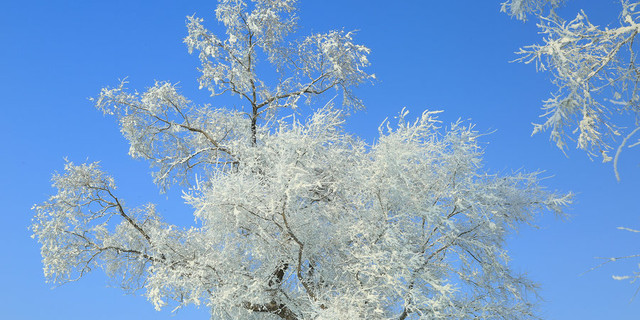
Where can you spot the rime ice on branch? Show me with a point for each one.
(298, 219)
(594, 68)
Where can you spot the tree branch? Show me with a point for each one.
(278, 309)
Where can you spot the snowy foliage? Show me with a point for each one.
(594, 69)
(296, 218)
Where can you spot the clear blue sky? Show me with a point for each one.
(445, 55)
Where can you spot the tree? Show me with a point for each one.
(297, 218)
(594, 69)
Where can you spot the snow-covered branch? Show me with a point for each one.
(594, 69)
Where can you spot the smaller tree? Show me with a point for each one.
(595, 71)
(297, 218)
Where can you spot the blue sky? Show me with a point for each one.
(440, 55)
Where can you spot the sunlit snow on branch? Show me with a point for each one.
(594, 69)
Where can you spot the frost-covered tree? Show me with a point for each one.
(597, 101)
(295, 218)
